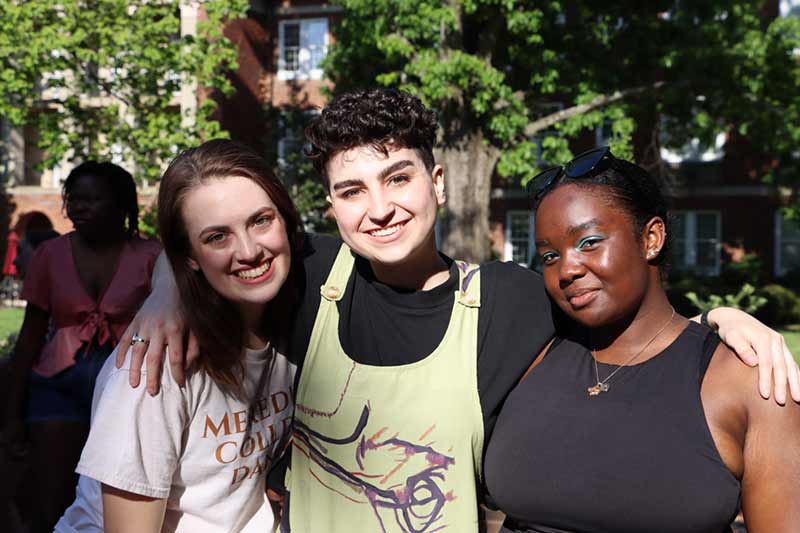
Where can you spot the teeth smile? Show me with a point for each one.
(255, 272)
(385, 232)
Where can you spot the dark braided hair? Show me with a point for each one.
(379, 118)
(122, 186)
(631, 188)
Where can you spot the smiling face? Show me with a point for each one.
(595, 266)
(385, 207)
(238, 240)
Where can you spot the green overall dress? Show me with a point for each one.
(388, 449)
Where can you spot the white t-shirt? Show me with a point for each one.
(191, 445)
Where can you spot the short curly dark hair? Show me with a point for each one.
(380, 118)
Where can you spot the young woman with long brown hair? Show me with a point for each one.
(194, 458)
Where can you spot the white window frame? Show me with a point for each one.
(284, 140)
(786, 7)
(508, 246)
(304, 54)
(780, 268)
(690, 242)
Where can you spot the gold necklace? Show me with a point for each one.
(602, 386)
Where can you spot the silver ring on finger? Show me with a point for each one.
(137, 339)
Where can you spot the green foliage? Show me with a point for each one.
(749, 269)
(98, 78)
(782, 306)
(683, 70)
(294, 169)
(148, 221)
(668, 71)
(746, 299)
(10, 322)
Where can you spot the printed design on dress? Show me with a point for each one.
(405, 488)
(467, 274)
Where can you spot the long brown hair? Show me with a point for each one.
(214, 320)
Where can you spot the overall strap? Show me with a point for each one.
(469, 284)
(334, 287)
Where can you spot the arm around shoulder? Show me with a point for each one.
(158, 323)
(759, 440)
(770, 495)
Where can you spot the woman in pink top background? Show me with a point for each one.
(82, 290)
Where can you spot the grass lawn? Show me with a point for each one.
(10, 321)
(792, 335)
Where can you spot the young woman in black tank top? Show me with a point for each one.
(640, 422)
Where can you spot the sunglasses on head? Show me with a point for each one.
(581, 166)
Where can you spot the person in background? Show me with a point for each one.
(38, 229)
(642, 421)
(89, 283)
(195, 458)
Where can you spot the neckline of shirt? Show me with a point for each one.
(437, 296)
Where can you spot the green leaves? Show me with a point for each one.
(535, 78)
(101, 78)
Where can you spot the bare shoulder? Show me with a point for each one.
(733, 384)
(727, 374)
(726, 388)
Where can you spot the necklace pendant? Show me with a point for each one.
(595, 390)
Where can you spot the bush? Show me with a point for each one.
(782, 307)
(749, 269)
(745, 299)
(677, 290)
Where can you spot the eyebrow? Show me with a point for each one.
(572, 230)
(391, 169)
(394, 167)
(347, 183)
(583, 227)
(260, 212)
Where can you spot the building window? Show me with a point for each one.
(290, 146)
(696, 247)
(787, 245)
(303, 44)
(291, 138)
(519, 246)
(790, 8)
(693, 151)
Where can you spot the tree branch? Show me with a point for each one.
(599, 101)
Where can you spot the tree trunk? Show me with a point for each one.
(468, 164)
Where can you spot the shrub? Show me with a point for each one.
(746, 299)
(749, 269)
(678, 288)
(782, 306)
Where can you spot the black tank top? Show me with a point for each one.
(638, 458)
